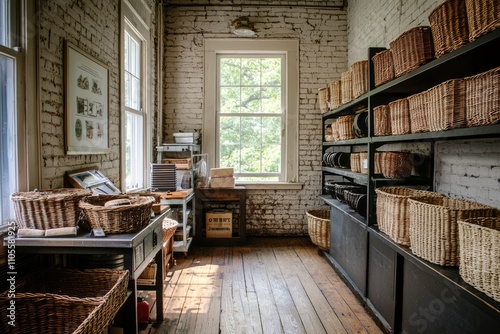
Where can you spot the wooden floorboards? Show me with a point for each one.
(269, 286)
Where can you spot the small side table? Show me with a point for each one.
(210, 198)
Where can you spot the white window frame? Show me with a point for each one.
(290, 48)
(132, 21)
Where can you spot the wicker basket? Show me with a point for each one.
(359, 78)
(412, 49)
(59, 301)
(483, 16)
(382, 121)
(363, 162)
(117, 219)
(48, 209)
(446, 107)
(346, 86)
(397, 165)
(479, 248)
(356, 199)
(340, 187)
(449, 26)
(482, 104)
(345, 124)
(148, 276)
(418, 105)
(323, 98)
(318, 227)
(355, 163)
(335, 130)
(335, 94)
(169, 227)
(393, 216)
(383, 67)
(378, 163)
(400, 117)
(434, 228)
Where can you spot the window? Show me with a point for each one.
(251, 102)
(136, 141)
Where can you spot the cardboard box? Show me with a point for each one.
(181, 164)
(222, 182)
(219, 224)
(222, 172)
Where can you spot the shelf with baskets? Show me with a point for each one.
(380, 274)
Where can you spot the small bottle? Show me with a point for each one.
(142, 311)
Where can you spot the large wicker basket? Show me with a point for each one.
(412, 49)
(48, 208)
(318, 227)
(359, 78)
(447, 105)
(65, 301)
(323, 98)
(345, 129)
(418, 105)
(483, 98)
(382, 120)
(383, 67)
(118, 219)
(335, 94)
(479, 245)
(400, 117)
(397, 165)
(483, 16)
(346, 86)
(449, 26)
(434, 227)
(393, 216)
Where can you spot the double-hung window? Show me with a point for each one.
(251, 101)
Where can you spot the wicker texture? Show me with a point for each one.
(400, 117)
(434, 227)
(393, 217)
(359, 78)
(66, 301)
(346, 86)
(318, 227)
(418, 105)
(345, 124)
(383, 67)
(412, 49)
(479, 248)
(482, 103)
(483, 16)
(378, 163)
(169, 227)
(397, 165)
(118, 219)
(355, 163)
(48, 209)
(340, 188)
(363, 162)
(446, 105)
(335, 94)
(449, 26)
(323, 98)
(382, 121)
(335, 130)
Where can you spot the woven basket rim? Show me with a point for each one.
(138, 201)
(52, 194)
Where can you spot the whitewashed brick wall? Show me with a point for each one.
(463, 169)
(94, 27)
(322, 33)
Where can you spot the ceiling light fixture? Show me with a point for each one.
(243, 27)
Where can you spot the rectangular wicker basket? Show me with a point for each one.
(446, 105)
(434, 227)
(344, 124)
(393, 216)
(412, 49)
(449, 26)
(479, 245)
(355, 163)
(383, 67)
(482, 103)
(400, 117)
(323, 99)
(382, 121)
(359, 78)
(419, 112)
(346, 86)
(56, 301)
(335, 94)
(483, 16)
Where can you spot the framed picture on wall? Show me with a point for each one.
(86, 102)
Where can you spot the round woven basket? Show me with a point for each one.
(118, 219)
(169, 227)
(318, 227)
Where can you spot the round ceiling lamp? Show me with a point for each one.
(243, 27)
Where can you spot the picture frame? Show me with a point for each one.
(86, 89)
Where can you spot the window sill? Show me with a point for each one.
(271, 185)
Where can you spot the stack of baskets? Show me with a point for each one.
(65, 301)
(318, 227)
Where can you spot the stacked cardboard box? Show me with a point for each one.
(222, 178)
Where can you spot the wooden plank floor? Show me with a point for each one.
(270, 285)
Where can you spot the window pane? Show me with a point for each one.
(4, 23)
(250, 158)
(229, 99)
(271, 161)
(229, 139)
(250, 71)
(271, 71)
(8, 144)
(230, 71)
(134, 151)
(251, 129)
(271, 100)
(250, 99)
